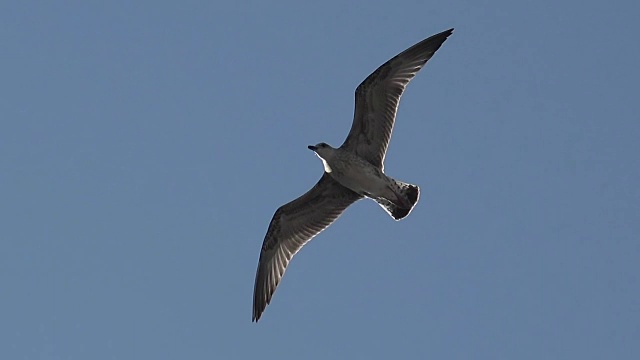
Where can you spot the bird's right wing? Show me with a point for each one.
(292, 226)
(378, 96)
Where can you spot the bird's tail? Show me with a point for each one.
(408, 196)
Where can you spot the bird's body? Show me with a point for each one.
(359, 175)
(353, 171)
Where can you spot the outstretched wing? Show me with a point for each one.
(378, 96)
(292, 226)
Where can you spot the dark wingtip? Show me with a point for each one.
(256, 314)
(442, 36)
(427, 47)
(259, 305)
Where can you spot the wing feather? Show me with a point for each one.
(378, 96)
(292, 226)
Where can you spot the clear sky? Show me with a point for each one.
(145, 145)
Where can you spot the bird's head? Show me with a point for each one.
(325, 153)
(322, 149)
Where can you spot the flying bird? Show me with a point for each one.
(353, 171)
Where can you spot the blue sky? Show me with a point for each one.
(144, 147)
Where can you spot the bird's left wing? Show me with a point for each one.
(292, 226)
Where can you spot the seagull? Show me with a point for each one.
(353, 171)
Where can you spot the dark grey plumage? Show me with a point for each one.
(378, 96)
(314, 211)
(297, 222)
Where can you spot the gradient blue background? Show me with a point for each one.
(144, 147)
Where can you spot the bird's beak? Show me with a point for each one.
(311, 147)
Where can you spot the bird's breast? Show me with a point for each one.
(360, 177)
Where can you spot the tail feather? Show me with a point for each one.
(409, 192)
